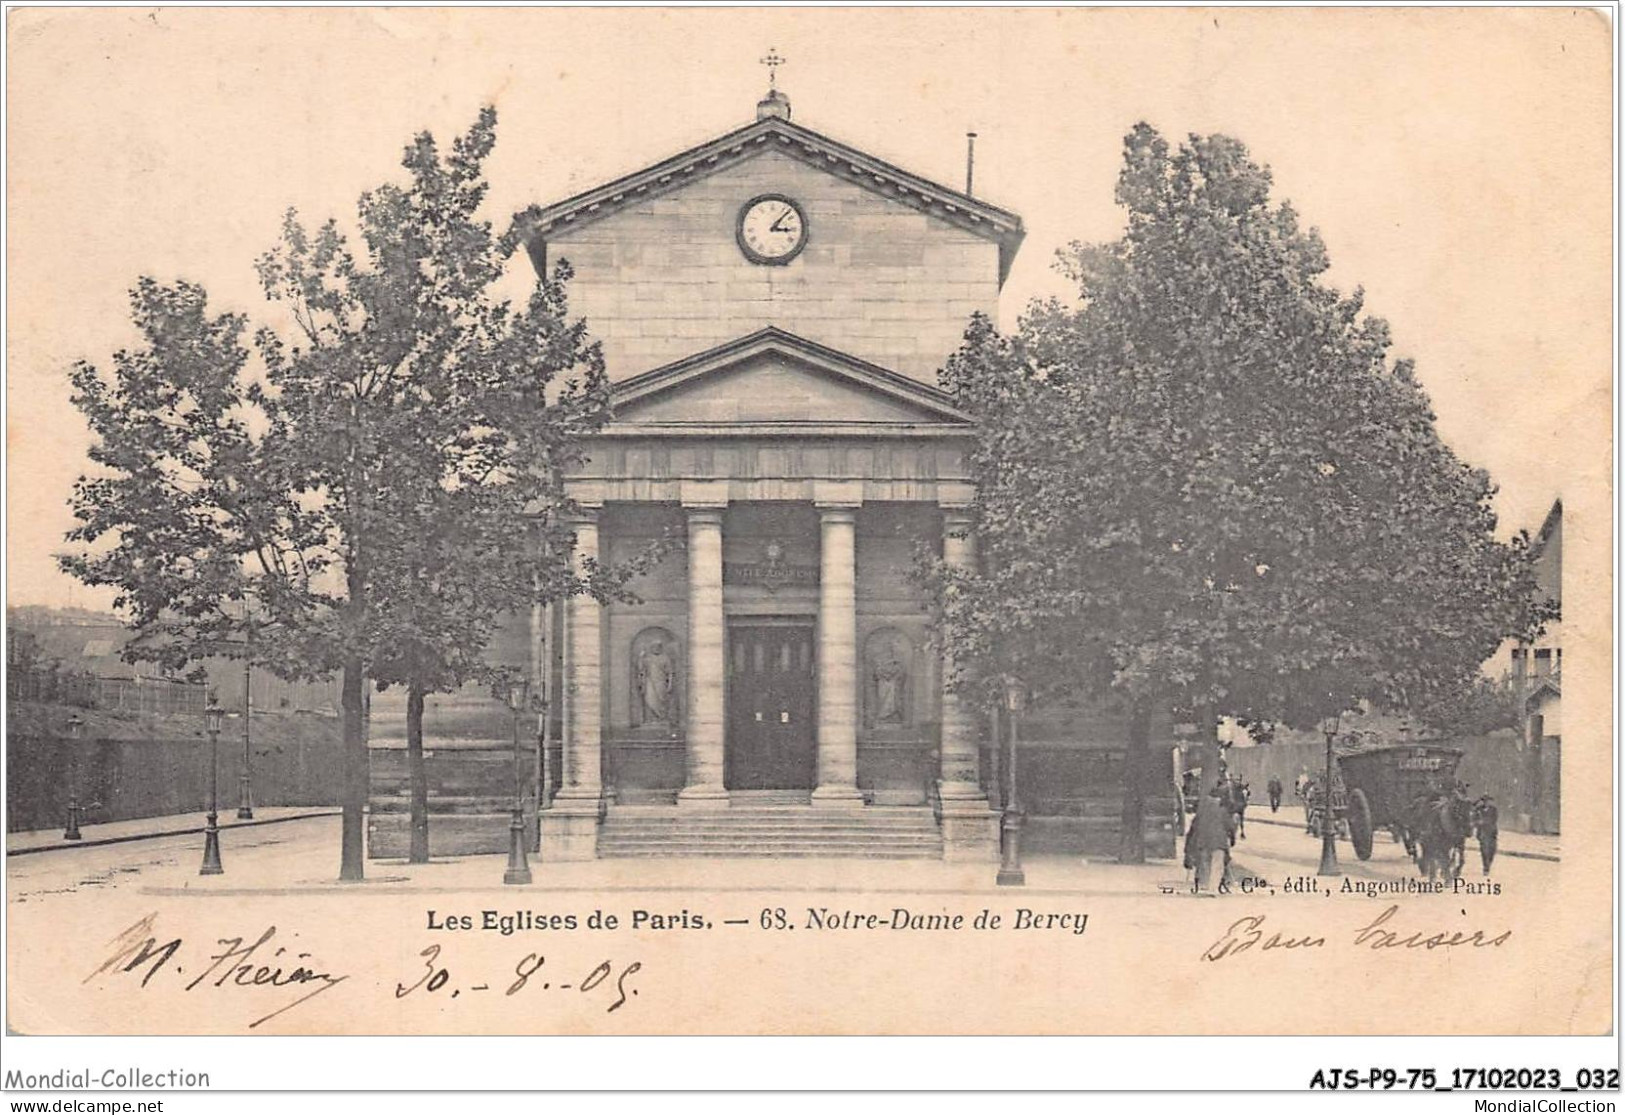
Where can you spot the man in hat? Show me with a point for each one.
(1209, 835)
(1487, 827)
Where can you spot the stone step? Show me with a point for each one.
(785, 837)
(863, 816)
(762, 824)
(764, 830)
(878, 812)
(788, 854)
(845, 839)
(767, 834)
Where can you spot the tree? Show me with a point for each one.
(1477, 710)
(434, 423)
(188, 516)
(384, 491)
(1205, 487)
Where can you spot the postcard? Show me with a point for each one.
(809, 522)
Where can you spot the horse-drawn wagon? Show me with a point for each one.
(1378, 787)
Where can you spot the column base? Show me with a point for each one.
(570, 829)
(838, 797)
(701, 796)
(970, 831)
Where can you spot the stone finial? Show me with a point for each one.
(774, 104)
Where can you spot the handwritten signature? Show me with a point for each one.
(1248, 933)
(256, 967)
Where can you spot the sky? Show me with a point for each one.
(1456, 162)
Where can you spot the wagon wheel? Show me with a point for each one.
(1360, 823)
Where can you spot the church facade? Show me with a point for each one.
(773, 307)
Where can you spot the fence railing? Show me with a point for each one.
(156, 696)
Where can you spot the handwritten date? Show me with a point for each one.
(435, 977)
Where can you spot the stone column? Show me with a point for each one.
(961, 728)
(570, 824)
(704, 503)
(837, 505)
(969, 826)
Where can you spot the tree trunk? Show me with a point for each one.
(417, 776)
(354, 794)
(1131, 836)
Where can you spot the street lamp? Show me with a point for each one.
(518, 872)
(245, 788)
(76, 729)
(1328, 820)
(1010, 873)
(213, 717)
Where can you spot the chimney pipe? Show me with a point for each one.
(970, 162)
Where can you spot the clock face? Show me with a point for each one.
(772, 229)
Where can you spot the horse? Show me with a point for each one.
(1440, 829)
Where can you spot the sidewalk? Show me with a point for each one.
(1519, 845)
(117, 832)
(302, 859)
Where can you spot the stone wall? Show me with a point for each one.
(1498, 765)
(123, 780)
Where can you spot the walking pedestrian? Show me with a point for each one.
(1487, 827)
(1209, 835)
(1274, 788)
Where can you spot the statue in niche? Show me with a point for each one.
(889, 654)
(654, 679)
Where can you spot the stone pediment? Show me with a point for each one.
(774, 381)
(797, 141)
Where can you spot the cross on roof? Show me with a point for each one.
(772, 60)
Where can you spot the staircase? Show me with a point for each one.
(770, 830)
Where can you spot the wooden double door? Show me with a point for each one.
(772, 705)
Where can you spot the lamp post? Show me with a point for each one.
(518, 872)
(245, 787)
(1010, 872)
(213, 717)
(1328, 821)
(76, 729)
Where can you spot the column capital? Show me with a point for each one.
(703, 495)
(957, 520)
(837, 495)
(953, 495)
(585, 493)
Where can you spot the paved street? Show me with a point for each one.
(1278, 851)
(301, 857)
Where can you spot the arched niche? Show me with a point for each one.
(656, 692)
(890, 673)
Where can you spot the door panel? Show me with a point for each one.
(771, 742)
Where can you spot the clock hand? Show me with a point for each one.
(778, 222)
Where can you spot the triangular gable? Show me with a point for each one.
(775, 379)
(804, 144)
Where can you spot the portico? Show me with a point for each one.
(780, 651)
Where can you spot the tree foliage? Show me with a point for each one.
(1205, 484)
(1476, 710)
(386, 489)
